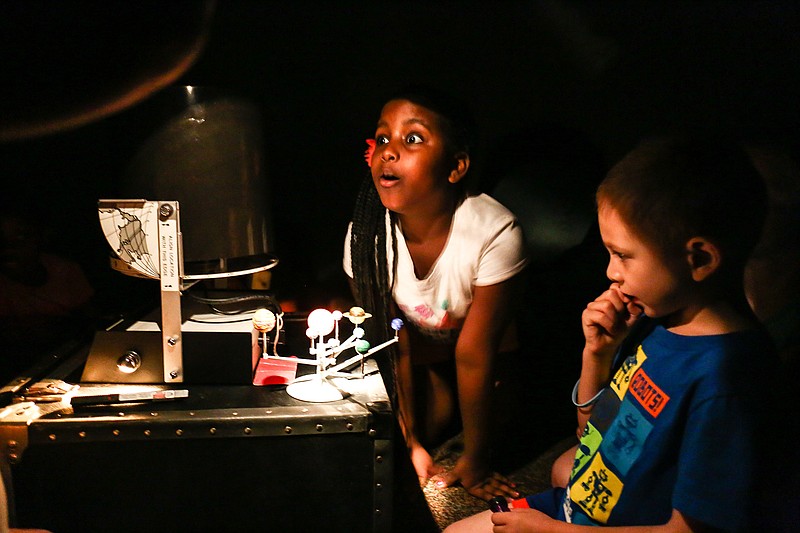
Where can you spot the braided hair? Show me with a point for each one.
(372, 278)
(373, 290)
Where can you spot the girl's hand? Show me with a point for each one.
(423, 463)
(522, 521)
(477, 481)
(607, 320)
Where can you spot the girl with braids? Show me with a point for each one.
(423, 248)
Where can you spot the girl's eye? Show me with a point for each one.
(381, 139)
(413, 138)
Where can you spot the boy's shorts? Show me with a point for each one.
(550, 502)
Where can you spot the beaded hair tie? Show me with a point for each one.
(368, 152)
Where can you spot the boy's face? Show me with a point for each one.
(657, 285)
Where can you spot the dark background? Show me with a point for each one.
(560, 88)
(579, 78)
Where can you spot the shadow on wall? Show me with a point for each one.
(772, 276)
(44, 295)
(547, 175)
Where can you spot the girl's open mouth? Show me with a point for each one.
(388, 179)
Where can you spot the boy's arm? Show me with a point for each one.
(532, 521)
(606, 322)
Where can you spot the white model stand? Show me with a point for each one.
(320, 386)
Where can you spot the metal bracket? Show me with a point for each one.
(171, 266)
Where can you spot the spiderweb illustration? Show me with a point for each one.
(132, 232)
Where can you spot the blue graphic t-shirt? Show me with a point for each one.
(675, 429)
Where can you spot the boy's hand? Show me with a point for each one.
(522, 521)
(607, 320)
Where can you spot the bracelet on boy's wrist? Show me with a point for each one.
(588, 403)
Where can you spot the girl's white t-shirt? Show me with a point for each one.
(485, 246)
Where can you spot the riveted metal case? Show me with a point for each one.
(225, 458)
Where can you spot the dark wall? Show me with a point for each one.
(613, 71)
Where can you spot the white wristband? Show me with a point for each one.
(587, 403)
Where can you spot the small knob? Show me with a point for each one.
(129, 362)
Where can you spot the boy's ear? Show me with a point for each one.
(704, 257)
(461, 167)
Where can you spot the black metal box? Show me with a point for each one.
(225, 458)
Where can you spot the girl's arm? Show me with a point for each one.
(476, 349)
(420, 458)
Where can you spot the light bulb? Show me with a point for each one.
(321, 321)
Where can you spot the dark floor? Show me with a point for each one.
(430, 509)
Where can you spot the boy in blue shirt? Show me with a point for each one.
(674, 390)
